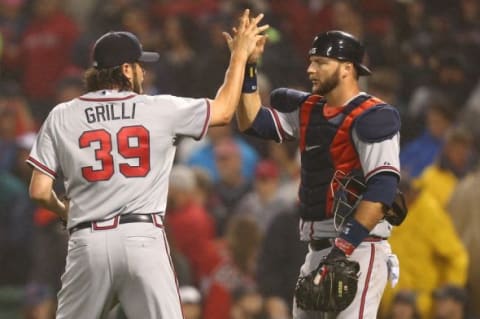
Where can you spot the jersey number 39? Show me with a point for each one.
(140, 151)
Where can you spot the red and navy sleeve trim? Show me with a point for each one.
(41, 167)
(278, 124)
(207, 120)
(384, 168)
(265, 126)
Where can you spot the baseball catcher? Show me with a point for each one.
(340, 130)
(332, 286)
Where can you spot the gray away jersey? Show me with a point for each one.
(116, 149)
(374, 158)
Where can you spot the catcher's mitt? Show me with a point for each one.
(329, 288)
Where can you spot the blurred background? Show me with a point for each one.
(231, 219)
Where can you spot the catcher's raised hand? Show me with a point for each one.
(247, 35)
(258, 51)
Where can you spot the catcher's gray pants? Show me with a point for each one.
(129, 264)
(373, 258)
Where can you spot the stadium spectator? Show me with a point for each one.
(465, 213)
(13, 18)
(232, 186)
(281, 245)
(455, 161)
(179, 57)
(202, 155)
(404, 306)
(450, 302)
(189, 227)
(428, 234)
(422, 151)
(264, 202)
(234, 275)
(191, 302)
(45, 52)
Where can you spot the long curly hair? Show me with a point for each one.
(111, 78)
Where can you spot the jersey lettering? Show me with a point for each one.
(133, 143)
(110, 112)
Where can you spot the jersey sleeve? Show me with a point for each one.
(191, 116)
(43, 155)
(378, 157)
(288, 124)
(273, 125)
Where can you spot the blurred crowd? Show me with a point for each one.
(231, 216)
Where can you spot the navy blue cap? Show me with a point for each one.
(115, 48)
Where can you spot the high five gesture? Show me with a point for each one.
(242, 45)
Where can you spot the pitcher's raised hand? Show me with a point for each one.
(246, 34)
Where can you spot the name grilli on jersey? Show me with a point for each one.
(116, 149)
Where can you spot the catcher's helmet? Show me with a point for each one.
(341, 46)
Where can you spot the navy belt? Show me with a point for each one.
(324, 243)
(121, 219)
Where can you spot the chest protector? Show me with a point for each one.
(326, 147)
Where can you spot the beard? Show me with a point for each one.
(329, 84)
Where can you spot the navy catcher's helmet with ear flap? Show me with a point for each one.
(341, 46)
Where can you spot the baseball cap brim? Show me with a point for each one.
(149, 57)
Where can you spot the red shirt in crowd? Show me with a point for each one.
(224, 282)
(45, 53)
(192, 232)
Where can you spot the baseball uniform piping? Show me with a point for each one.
(207, 119)
(35, 163)
(367, 281)
(382, 169)
(278, 124)
(107, 99)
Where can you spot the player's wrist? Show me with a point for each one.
(352, 234)
(335, 254)
(239, 55)
(250, 79)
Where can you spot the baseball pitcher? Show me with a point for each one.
(115, 147)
